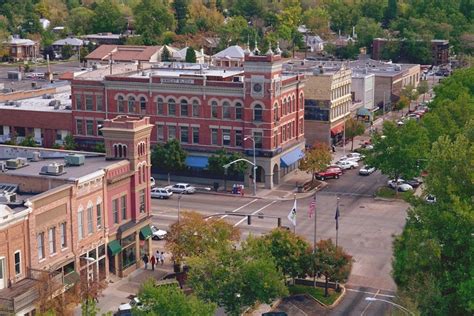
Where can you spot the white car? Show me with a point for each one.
(181, 188)
(347, 164)
(402, 186)
(161, 193)
(353, 157)
(158, 234)
(430, 198)
(152, 182)
(366, 170)
(126, 309)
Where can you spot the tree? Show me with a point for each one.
(169, 157)
(390, 12)
(194, 236)
(222, 157)
(107, 17)
(29, 141)
(48, 51)
(367, 29)
(235, 278)
(332, 262)
(316, 159)
(402, 103)
(410, 93)
(423, 88)
(165, 54)
(317, 21)
(80, 20)
(69, 143)
(398, 150)
(354, 128)
(152, 19)
(181, 12)
(190, 55)
(53, 10)
(170, 300)
(67, 52)
(83, 52)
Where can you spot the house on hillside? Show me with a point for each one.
(21, 49)
(75, 43)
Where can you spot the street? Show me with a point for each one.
(366, 227)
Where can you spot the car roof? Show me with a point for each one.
(182, 184)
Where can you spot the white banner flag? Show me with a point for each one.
(292, 214)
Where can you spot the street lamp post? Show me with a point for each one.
(254, 166)
(88, 260)
(406, 310)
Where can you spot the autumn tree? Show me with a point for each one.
(316, 159)
(354, 128)
(192, 235)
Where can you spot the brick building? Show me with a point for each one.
(22, 49)
(205, 108)
(85, 219)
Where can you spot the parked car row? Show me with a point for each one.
(349, 161)
(168, 191)
(404, 186)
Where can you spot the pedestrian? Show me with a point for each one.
(158, 256)
(152, 262)
(333, 148)
(145, 259)
(162, 258)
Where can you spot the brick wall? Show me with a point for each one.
(14, 238)
(25, 94)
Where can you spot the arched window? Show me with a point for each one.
(131, 104)
(294, 104)
(184, 108)
(196, 108)
(238, 111)
(160, 108)
(275, 111)
(283, 107)
(301, 101)
(120, 151)
(115, 151)
(288, 105)
(214, 109)
(226, 110)
(171, 107)
(120, 104)
(124, 151)
(143, 104)
(258, 113)
(139, 174)
(144, 173)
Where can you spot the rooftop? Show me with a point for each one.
(44, 104)
(124, 52)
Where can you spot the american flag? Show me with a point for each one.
(312, 207)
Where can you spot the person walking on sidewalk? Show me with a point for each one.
(145, 259)
(152, 262)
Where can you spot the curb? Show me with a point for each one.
(336, 302)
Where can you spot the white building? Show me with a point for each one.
(362, 88)
(180, 55)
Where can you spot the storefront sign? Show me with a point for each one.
(177, 80)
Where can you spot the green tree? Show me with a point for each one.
(152, 19)
(367, 29)
(372, 9)
(410, 93)
(317, 20)
(390, 12)
(181, 13)
(248, 8)
(402, 103)
(165, 54)
(222, 157)
(235, 278)
(354, 128)
(332, 262)
(29, 141)
(190, 55)
(69, 143)
(107, 17)
(169, 157)
(67, 52)
(350, 51)
(423, 88)
(80, 20)
(398, 150)
(316, 159)
(170, 300)
(194, 236)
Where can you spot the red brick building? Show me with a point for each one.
(205, 108)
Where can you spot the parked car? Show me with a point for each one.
(161, 193)
(347, 164)
(402, 186)
(391, 183)
(152, 182)
(158, 234)
(182, 188)
(415, 183)
(126, 309)
(366, 170)
(430, 198)
(353, 156)
(331, 172)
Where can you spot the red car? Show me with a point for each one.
(331, 172)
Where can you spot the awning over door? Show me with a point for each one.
(145, 232)
(197, 161)
(291, 157)
(114, 247)
(337, 129)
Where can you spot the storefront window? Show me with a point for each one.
(129, 256)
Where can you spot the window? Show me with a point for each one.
(171, 132)
(301, 126)
(184, 108)
(258, 137)
(283, 107)
(115, 207)
(213, 136)
(78, 102)
(63, 232)
(195, 108)
(90, 227)
(141, 200)
(100, 124)
(79, 127)
(99, 100)
(131, 104)
(214, 109)
(80, 224)
(238, 138)
(89, 127)
(226, 137)
(275, 112)
(301, 101)
(40, 242)
(258, 113)
(184, 134)
(275, 138)
(195, 135)
(226, 110)
(142, 104)
(52, 240)
(160, 107)
(17, 262)
(288, 106)
(89, 105)
(120, 104)
(123, 203)
(238, 111)
(160, 133)
(171, 107)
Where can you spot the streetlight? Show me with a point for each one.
(89, 260)
(372, 299)
(254, 165)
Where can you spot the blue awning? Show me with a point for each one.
(197, 161)
(291, 157)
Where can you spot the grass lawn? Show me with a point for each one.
(316, 292)
(387, 193)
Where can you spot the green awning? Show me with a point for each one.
(114, 247)
(145, 232)
(363, 112)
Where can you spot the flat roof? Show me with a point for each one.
(42, 104)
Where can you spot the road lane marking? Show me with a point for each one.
(260, 209)
(238, 209)
(344, 193)
(371, 293)
(367, 307)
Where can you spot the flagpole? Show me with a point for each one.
(294, 226)
(337, 226)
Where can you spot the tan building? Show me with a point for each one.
(327, 103)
